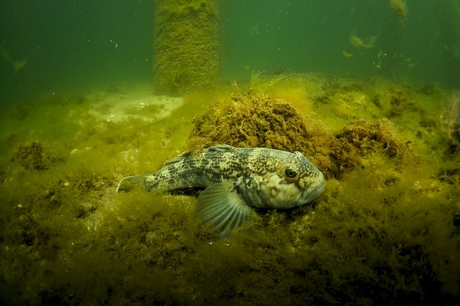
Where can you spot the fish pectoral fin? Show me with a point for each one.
(222, 207)
(130, 182)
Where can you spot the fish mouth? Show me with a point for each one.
(313, 191)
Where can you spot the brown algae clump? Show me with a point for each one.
(360, 140)
(33, 155)
(252, 121)
(256, 120)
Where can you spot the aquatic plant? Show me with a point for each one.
(394, 100)
(385, 230)
(450, 118)
(33, 155)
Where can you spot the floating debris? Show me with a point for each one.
(399, 7)
(347, 54)
(357, 42)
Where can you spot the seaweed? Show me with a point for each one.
(385, 229)
(256, 120)
(33, 155)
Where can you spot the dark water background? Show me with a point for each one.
(82, 44)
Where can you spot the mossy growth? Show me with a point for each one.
(251, 121)
(33, 155)
(185, 49)
(394, 101)
(256, 120)
(362, 142)
(385, 229)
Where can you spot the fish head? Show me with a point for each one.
(310, 180)
(292, 181)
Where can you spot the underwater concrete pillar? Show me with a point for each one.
(185, 46)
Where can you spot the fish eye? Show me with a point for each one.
(290, 173)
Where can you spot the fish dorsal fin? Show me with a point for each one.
(178, 158)
(222, 207)
(218, 148)
(222, 148)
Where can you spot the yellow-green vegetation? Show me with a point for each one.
(186, 45)
(385, 230)
(256, 120)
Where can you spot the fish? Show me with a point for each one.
(235, 181)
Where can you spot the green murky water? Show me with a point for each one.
(367, 91)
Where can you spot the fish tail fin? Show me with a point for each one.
(130, 182)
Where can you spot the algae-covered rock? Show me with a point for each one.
(33, 155)
(394, 101)
(256, 120)
(252, 121)
(361, 139)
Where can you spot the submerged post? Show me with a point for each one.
(186, 46)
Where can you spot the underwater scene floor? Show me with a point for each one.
(385, 230)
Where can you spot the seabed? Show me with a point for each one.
(385, 230)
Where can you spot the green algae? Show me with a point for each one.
(386, 228)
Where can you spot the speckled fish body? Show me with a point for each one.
(236, 179)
